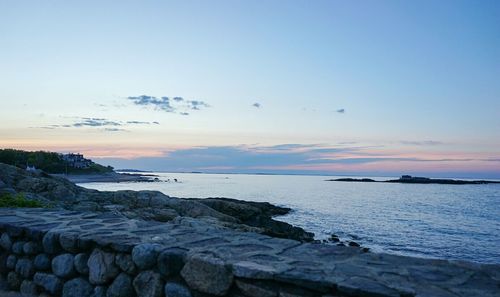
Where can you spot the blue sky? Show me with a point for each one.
(407, 81)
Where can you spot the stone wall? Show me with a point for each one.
(61, 253)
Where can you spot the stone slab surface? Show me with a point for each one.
(347, 271)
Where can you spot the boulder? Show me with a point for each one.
(173, 289)
(11, 261)
(28, 288)
(31, 248)
(17, 247)
(77, 287)
(145, 255)
(24, 268)
(208, 274)
(121, 286)
(5, 242)
(148, 284)
(99, 291)
(50, 243)
(13, 280)
(124, 261)
(49, 282)
(171, 261)
(69, 242)
(81, 265)
(63, 265)
(42, 262)
(102, 267)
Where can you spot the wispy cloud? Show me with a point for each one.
(173, 105)
(108, 125)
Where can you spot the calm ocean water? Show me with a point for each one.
(434, 221)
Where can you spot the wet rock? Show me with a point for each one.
(354, 244)
(31, 248)
(148, 284)
(42, 262)
(207, 274)
(173, 289)
(102, 268)
(5, 242)
(24, 267)
(171, 261)
(63, 265)
(11, 261)
(17, 247)
(145, 255)
(49, 282)
(13, 280)
(50, 243)
(121, 286)
(77, 287)
(81, 265)
(28, 288)
(124, 261)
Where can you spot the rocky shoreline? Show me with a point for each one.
(60, 193)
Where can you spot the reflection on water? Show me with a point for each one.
(440, 221)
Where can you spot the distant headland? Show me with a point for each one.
(72, 166)
(408, 179)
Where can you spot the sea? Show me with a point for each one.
(457, 222)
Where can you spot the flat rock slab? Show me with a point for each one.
(347, 271)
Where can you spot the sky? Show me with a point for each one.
(302, 87)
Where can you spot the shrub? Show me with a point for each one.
(18, 200)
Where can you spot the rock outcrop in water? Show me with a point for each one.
(407, 179)
(60, 193)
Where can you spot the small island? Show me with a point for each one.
(408, 179)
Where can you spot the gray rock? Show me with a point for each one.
(11, 261)
(17, 247)
(77, 287)
(99, 291)
(50, 243)
(102, 268)
(24, 267)
(173, 289)
(81, 265)
(49, 282)
(13, 280)
(5, 242)
(42, 262)
(69, 242)
(28, 288)
(145, 255)
(31, 248)
(171, 261)
(148, 284)
(4, 286)
(121, 286)
(63, 265)
(207, 274)
(124, 261)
